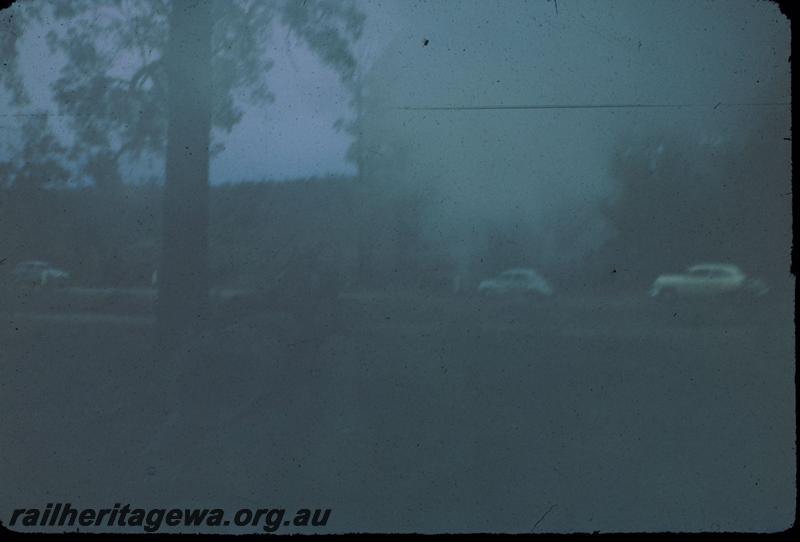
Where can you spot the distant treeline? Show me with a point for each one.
(112, 237)
(676, 204)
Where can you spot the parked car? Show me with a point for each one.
(708, 279)
(516, 281)
(39, 273)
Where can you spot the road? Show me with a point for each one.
(418, 413)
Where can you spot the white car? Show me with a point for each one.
(516, 281)
(708, 279)
(39, 273)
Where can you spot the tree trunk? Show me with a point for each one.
(364, 241)
(183, 275)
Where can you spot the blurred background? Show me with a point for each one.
(440, 266)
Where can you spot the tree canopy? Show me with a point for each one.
(113, 86)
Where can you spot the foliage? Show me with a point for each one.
(680, 203)
(39, 162)
(113, 84)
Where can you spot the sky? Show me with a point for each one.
(503, 53)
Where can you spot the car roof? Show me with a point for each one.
(520, 270)
(524, 271)
(715, 266)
